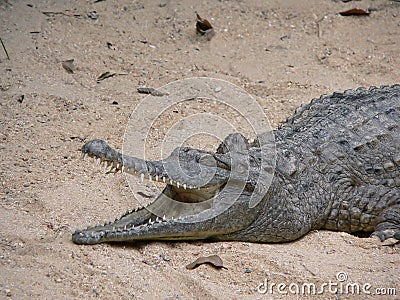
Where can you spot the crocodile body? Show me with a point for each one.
(336, 167)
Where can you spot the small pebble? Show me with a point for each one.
(92, 15)
(164, 257)
(218, 89)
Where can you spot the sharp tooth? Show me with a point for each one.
(141, 177)
(198, 188)
(117, 167)
(184, 186)
(157, 220)
(123, 168)
(156, 177)
(105, 164)
(171, 181)
(84, 155)
(177, 184)
(190, 187)
(125, 227)
(163, 179)
(164, 218)
(150, 178)
(150, 222)
(98, 161)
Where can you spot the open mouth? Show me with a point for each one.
(194, 194)
(141, 220)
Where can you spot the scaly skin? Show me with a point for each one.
(337, 168)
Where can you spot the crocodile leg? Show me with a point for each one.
(388, 227)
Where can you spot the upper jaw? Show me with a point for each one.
(185, 168)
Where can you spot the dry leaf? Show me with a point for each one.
(354, 12)
(68, 65)
(151, 91)
(105, 75)
(213, 260)
(111, 46)
(204, 27)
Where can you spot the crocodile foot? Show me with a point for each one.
(388, 227)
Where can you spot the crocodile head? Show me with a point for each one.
(206, 194)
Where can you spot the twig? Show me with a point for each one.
(5, 50)
(311, 272)
(317, 22)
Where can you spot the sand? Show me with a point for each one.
(283, 53)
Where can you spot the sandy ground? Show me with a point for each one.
(284, 53)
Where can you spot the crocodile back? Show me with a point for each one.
(340, 155)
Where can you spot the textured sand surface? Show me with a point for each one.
(284, 53)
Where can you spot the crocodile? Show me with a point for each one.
(336, 166)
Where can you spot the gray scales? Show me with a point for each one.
(337, 167)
